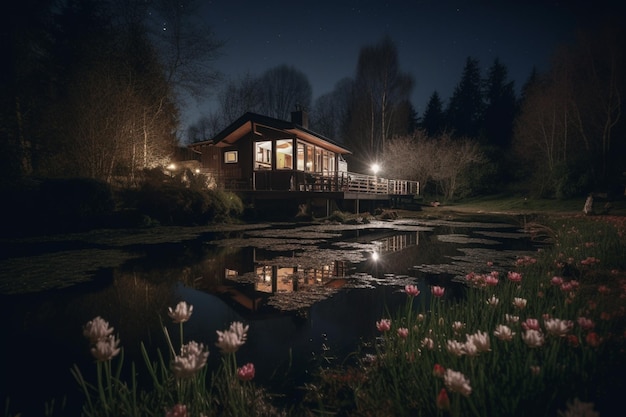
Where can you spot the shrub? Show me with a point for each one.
(171, 204)
(175, 204)
(224, 205)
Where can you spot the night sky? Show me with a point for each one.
(434, 38)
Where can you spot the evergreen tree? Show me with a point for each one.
(465, 109)
(500, 107)
(434, 121)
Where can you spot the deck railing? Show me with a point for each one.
(361, 183)
(349, 182)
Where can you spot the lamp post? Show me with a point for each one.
(170, 169)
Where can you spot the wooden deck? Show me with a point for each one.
(345, 185)
(288, 190)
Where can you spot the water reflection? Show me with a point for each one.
(303, 291)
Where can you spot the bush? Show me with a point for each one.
(225, 205)
(174, 204)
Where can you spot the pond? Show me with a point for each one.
(311, 293)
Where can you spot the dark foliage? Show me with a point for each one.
(174, 205)
(57, 206)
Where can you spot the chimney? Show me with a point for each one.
(300, 117)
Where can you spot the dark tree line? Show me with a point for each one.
(93, 89)
(87, 90)
(570, 136)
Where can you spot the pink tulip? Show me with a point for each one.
(514, 277)
(411, 290)
(179, 410)
(437, 291)
(246, 372)
(384, 325)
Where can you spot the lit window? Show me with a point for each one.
(263, 155)
(231, 157)
(284, 154)
(309, 167)
(300, 156)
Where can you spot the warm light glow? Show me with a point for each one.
(171, 167)
(374, 256)
(375, 168)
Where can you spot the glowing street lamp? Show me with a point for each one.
(375, 169)
(170, 169)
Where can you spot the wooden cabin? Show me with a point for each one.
(260, 153)
(267, 159)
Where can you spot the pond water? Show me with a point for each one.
(310, 293)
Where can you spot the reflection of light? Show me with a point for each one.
(375, 168)
(375, 256)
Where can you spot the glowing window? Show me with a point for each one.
(263, 155)
(231, 157)
(284, 154)
(300, 156)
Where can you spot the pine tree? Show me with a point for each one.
(500, 107)
(434, 120)
(465, 109)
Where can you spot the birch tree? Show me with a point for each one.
(378, 105)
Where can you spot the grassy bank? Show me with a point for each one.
(521, 205)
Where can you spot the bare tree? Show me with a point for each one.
(380, 91)
(331, 109)
(600, 85)
(187, 45)
(441, 161)
(106, 140)
(452, 161)
(238, 97)
(571, 117)
(410, 157)
(205, 128)
(284, 88)
(541, 132)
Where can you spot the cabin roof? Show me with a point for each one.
(250, 122)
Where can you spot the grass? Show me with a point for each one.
(522, 205)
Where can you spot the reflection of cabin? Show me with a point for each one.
(266, 159)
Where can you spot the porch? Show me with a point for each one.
(346, 183)
(287, 190)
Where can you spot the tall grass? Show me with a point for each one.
(181, 385)
(561, 352)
